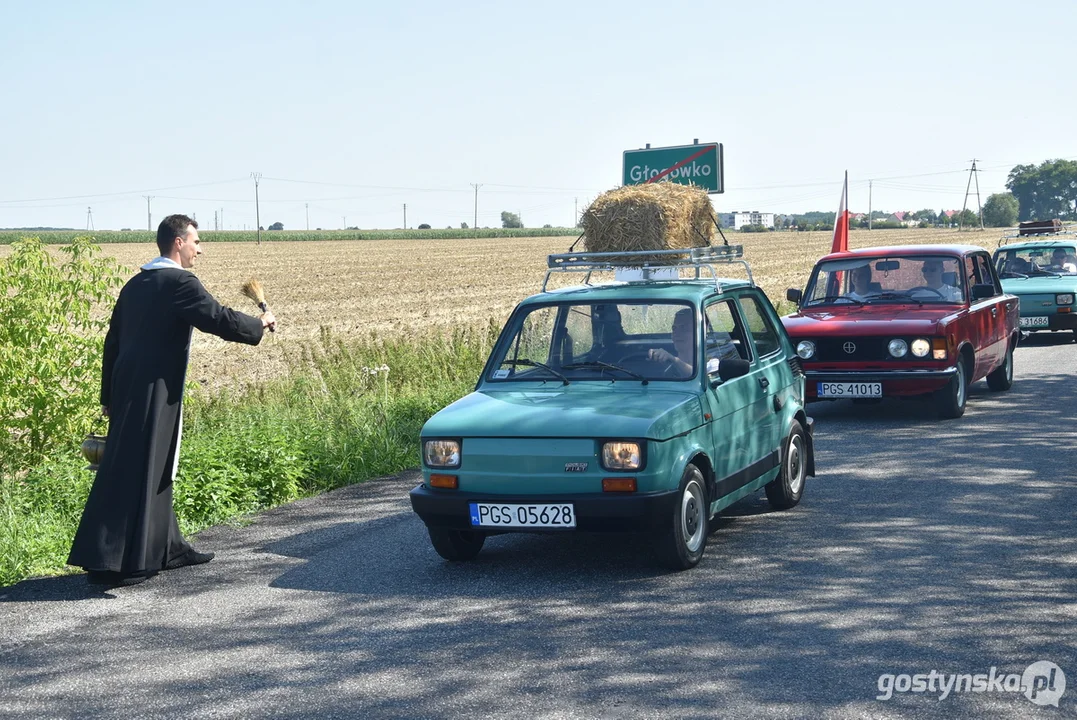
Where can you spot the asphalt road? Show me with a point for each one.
(922, 545)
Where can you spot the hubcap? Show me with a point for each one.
(1009, 366)
(794, 465)
(692, 509)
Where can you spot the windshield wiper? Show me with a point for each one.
(896, 296)
(532, 363)
(605, 366)
(833, 298)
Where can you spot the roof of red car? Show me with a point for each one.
(903, 250)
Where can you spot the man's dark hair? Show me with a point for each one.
(172, 227)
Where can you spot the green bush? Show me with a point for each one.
(50, 347)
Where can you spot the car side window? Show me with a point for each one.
(725, 337)
(759, 325)
(984, 274)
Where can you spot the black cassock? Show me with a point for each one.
(129, 524)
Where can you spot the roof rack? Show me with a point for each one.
(1030, 236)
(654, 265)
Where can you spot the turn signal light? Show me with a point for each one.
(449, 482)
(1064, 310)
(938, 348)
(619, 484)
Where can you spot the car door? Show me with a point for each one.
(1001, 306)
(770, 372)
(981, 326)
(732, 402)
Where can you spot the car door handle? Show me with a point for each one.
(994, 312)
(764, 383)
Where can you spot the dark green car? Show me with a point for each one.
(648, 404)
(1042, 272)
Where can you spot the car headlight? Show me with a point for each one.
(1064, 299)
(441, 453)
(920, 347)
(898, 348)
(805, 349)
(621, 455)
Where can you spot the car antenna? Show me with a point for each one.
(718, 225)
(573, 245)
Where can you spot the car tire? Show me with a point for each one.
(1002, 378)
(681, 545)
(952, 398)
(785, 491)
(457, 545)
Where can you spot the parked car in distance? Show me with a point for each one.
(1042, 273)
(643, 405)
(920, 320)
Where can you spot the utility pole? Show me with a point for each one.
(869, 204)
(257, 215)
(149, 219)
(405, 216)
(215, 227)
(476, 186)
(306, 206)
(222, 218)
(964, 206)
(89, 218)
(344, 221)
(575, 211)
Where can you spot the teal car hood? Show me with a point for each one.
(576, 410)
(1043, 284)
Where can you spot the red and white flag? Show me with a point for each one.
(841, 220)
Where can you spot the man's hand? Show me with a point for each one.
(268, 320)
(660, 355)
(104, 411)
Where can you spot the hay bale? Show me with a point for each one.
(655, 216)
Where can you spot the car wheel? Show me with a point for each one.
(951, 399)
(456, 544)
(683, 542)
(1002, 377)
(785, 491)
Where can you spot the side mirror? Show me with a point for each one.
(733, 368)
(982, 292)
(793, 295)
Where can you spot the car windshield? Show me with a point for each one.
(868, 280)
(624, 341)
(1036, 261)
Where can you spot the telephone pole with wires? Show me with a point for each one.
(964, 206)
(476, 186)
(405, 216)
(89, 218)
(149, 218)
(869, 204)
(257, 215)
(306, 206)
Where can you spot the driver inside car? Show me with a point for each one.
(933, 270)
(680, 361)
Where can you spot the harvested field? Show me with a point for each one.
(413, 287)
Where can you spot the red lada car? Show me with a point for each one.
(904, 321)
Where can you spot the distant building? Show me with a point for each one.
(738, 219)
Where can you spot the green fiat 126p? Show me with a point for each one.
(1042, 272)
(649, 403)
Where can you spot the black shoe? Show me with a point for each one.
(191, 557)
(117, 579)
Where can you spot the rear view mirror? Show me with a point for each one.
(887, 265)
(793, 295)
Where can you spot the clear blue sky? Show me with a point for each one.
(357, 108)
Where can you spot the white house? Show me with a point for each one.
(738, 219)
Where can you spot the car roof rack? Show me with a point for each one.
(1033, 236)
(652, 265)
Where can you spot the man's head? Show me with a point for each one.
(177, 238)
(1058, 256)
(932, 271)
(683, 326)
(861, 276)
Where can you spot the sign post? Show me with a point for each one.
(699, 165)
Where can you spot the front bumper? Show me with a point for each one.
(595, 512)
(895, 382)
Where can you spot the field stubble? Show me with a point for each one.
(410, 288)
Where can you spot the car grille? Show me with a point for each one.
(864, 349)
(795, 366)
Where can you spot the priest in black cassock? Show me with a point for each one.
(128, 530)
